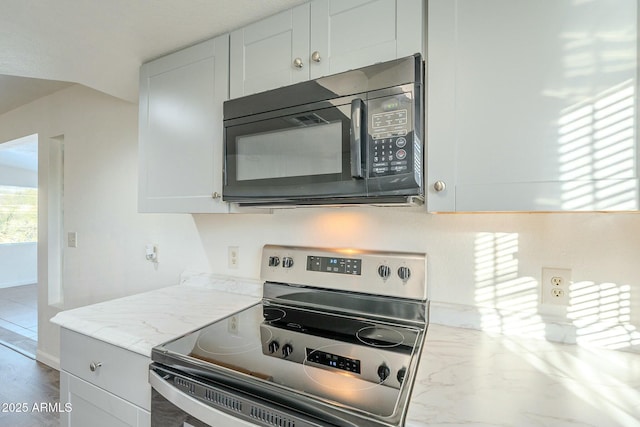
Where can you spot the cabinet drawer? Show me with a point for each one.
(119, 371)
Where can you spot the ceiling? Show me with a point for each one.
(17, 91)
(101, 44)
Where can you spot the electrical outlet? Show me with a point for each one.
(232, 325)
(151, 252)
(555, 286)
(233, 257)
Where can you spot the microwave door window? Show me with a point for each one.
(292, 152)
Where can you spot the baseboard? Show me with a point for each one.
(14, 284)
(47, 359)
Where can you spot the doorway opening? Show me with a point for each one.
(18, 244)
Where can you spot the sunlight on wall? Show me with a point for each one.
(510, 304)
(601, 313)
(498, 286)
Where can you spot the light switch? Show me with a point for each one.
(72, 239)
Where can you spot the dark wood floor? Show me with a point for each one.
(27, 384)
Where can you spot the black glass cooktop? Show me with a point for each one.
(342, 360)
(357, 331)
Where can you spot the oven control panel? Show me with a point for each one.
(397, 274)
(333, 360)
(374, 365)
(339, 265)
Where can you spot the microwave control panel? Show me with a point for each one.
(390, 135)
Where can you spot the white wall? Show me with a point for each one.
(478, 261)
(18, 264)
(100, 178)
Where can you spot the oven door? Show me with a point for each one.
(173, 407)
(180, 400)
(310, 152)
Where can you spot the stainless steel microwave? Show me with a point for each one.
(351, 138)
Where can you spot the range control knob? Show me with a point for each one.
(274, 261)
(287, 350)
(273, 346)
(401, 373)
(287, 262)
(383, 372)
(384, 271)
(404, 273)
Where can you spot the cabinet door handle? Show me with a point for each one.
(439, 186)
(315, 56)
(93, 366)
(297, 63)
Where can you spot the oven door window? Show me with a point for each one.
(299, 155)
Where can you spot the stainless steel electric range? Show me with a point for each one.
(335, 341)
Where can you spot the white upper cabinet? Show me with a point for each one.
(348, 34)
(262, 53)
(532, 105)
(180, 122)
(321, 38)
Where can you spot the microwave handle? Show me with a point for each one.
(358, 136)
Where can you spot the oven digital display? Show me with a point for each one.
(333, 360)
(334, 265)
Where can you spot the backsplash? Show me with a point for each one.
(484, 270)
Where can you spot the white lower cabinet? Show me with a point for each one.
(102, 384)
(93, 406)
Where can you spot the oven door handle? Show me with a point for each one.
(188, 404)
(358, 135)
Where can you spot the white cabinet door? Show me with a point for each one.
(532, 105)
(327, 36)
(263, 53)
(348, 34)
(180, 141)
(89, 405)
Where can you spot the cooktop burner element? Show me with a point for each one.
(272, 314)
(380, 336)
(208, 344)
(335, 340)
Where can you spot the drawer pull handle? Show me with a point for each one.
(94, 366)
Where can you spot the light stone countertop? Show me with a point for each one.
(140, 322)
(472, 378)
(465, 377)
